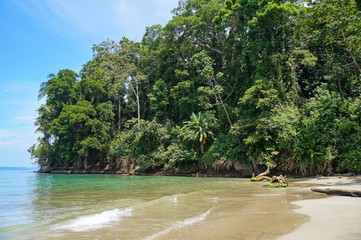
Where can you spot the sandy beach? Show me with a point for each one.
(332, 217)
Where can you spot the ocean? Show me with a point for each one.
(60, 206)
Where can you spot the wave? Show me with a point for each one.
(181, 224)
(95, 221)
(106, 218)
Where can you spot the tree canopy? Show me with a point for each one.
(253, 82)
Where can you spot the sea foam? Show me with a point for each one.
(106, 218)
(96, 221)
(180, 224)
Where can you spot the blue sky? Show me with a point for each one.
(39, 37)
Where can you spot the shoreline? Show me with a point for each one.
(234, 173)
(324, 216)
(330, 217)
(312, 215)
(236, 209)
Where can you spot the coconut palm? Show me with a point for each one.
(200, 126)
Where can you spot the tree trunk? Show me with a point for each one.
(224, 108)
(136, 94)
(85, 162)
(351, 54)
(138, 105)
(119, 113)
(201, 148)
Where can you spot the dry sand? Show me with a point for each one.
(331, 218)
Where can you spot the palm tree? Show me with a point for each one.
(200, 125)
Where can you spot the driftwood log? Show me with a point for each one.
(262, 176)
(276, 181)
(279, 179)
(340, 192)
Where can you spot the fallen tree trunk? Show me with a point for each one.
(340, 192)
(262, 176)
(265, 173)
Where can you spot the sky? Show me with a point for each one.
(39, 37)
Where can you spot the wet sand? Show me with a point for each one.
(234, 209)
(283, 214)
(331, 217)
(265, 215)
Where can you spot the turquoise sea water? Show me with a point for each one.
(50, 206)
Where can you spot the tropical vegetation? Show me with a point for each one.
(252, 82)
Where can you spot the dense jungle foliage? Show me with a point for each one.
(248, 81)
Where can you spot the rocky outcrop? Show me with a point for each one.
(129, 167)
(119, 166)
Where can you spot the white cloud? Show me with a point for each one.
(5, 133)
(15, 145)
(70, 17)
(18, 139)
(24, 119)
(5, 144)
(14, 86)
(103, 19)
